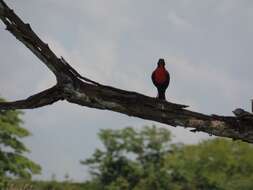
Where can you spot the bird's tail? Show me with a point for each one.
(161, 95)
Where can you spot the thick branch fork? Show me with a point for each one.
(74, 88)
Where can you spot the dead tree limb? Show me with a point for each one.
(41, 99)
(74, 88)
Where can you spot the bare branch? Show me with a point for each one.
(24, 33)
(138, 105)
(41, 99)
(82, 91)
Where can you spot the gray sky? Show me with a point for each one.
(207, 46)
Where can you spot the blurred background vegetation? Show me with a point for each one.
(138, 159)
(13, 163)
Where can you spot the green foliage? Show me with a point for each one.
(146, 159)
(12, 160)
(43, 185)
(213, 164)
(131, 157)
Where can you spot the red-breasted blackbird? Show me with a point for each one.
(161, 79)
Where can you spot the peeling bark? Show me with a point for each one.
(74, 88)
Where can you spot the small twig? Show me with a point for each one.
(71, 69)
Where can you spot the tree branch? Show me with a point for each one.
(41, 99)
(24, 33)
(77, 89)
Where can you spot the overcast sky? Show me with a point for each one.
(207, 46)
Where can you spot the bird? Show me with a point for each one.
(161, 79)
(242, 114)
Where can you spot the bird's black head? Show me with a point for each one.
(161, 63)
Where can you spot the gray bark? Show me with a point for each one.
(74, 88)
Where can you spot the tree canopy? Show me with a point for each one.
(147, 159)
(13, 162)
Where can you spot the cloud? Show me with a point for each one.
(193, 82)
(206, 45)
(178, 21)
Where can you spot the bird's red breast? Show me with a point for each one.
(160, 75)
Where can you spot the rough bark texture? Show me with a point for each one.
(74, 88)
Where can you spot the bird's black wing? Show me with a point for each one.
(153, 79)
(167, 82)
